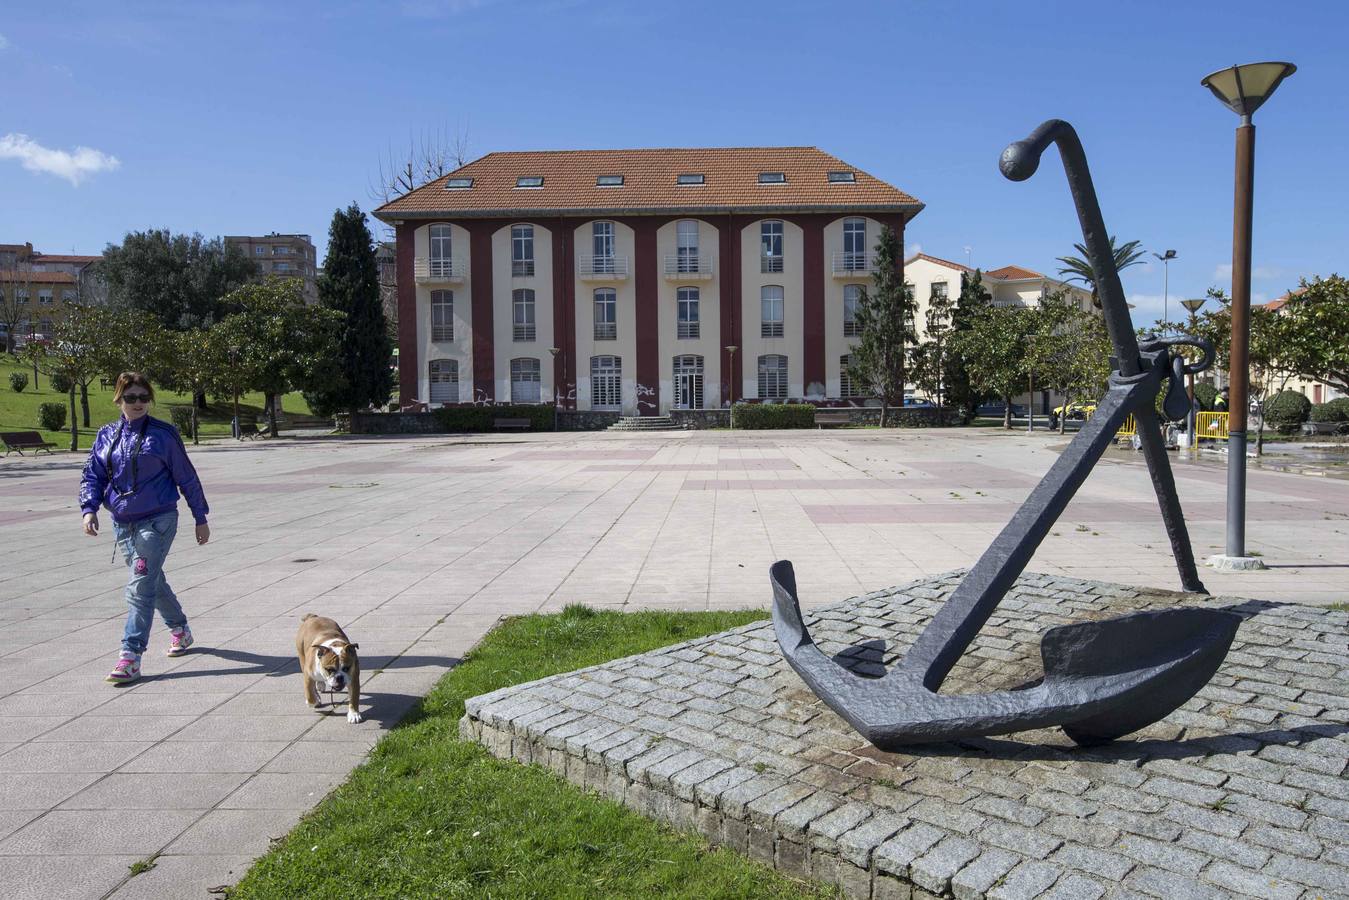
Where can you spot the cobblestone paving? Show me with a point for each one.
(1241, 792)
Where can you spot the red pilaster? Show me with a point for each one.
(728, 231)
(812, 295)
(404, 250)
(647, 314)
(480, 274)
(564, 314)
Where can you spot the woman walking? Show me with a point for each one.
(136, 469)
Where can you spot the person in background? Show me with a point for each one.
(137, 467)
(1220, 404)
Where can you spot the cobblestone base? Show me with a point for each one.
(1242, 792)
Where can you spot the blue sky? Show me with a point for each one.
(249, 117)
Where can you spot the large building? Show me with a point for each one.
(35, 286)
(636, 281)
(932, 277)
(288, 255)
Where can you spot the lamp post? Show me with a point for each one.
(554, 351)
(1192, 306)
(1166, 287)
(731, 381)
(234, 378)
(1242, 89)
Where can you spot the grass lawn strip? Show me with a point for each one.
(430, 815)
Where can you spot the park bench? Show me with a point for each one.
(825, 417)
(249, 430)
(19, 441)
(511, 424)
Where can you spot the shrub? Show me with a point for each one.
(18, 381)
(1287, 410)
(52, 416)
(1205, 395)
(1331, 411)
(182, 419)
(772, 415)
(62, 383)
(480, 418)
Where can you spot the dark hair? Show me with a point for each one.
(128, 379)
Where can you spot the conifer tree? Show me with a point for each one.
(974, 298)
(885, 318)
(350, 285)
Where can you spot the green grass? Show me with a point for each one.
(429, 815)
(18, 411)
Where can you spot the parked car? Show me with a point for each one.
(996, 409)
(1075, 411)
(914, 401)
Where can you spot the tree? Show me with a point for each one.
(273, 344)
(885, 319)
(1318, 319)
(1078, 268)
(929, 360)
(16, 291)
(1071, 350)
(74, 353)
(350, 285)
(180, 280)
(995, 350)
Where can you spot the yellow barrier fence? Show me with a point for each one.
(1210, 426)
(1128, 429)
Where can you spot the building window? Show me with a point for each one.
(687, 251)
(689, 178)
(606, 315)
(525, 380)
(281, 251)
(770, 234)
(441, 256)
(522, 304)
(522, 250)
(845, 382)
(442, 315)
(852, 298)
(529, 181)
(21, 296)
(68, 297)
(854, 244)
(772, 178)
(45, 326)
(687, 299)
(444, 375)
(940, 291)
(773, 377)
(281, 267)
(458, 184)
(688, 382)
(771, 303)
(259, 251)
(44, 297)
(608, 180)
(842, 177)
(602, 234)
(606, 382)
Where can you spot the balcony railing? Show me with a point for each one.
(522, 268)
(851, 328)
(602, 268)
(770, 329)
(438, 269)
(849, 264)
(606, 331)
(695, 267)
(523, 332)
(770, 262)
(687, 331)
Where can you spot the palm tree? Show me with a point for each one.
(1077, 268)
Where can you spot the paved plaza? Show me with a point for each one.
(417, 545)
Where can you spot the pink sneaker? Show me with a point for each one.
(127, 670)
(181, 639)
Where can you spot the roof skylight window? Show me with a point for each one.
(772, 178)
(608, 180)
(689, 178)
(529, 181)
(458, 184)
(842, 177)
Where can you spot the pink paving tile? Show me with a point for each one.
(44, 487)
(728, 465)
(14, 517)
(356, 467)
(787, 484)
(256, 487)
(571, 455)
(972, 474)
(447, 470)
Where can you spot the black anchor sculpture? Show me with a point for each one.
(1102, 679)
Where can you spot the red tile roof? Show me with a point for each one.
(938, 261)
(1011, 273)
(69, 258)
(731, 181)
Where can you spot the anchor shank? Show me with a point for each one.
(1164, 484)
(955, 625)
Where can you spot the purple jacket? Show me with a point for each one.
(136, 470)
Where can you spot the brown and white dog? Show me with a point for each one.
(328, 662)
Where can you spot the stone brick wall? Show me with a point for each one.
(1241, 792)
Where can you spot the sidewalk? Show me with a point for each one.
(418, 544)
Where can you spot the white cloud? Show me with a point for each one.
(913, 249)
(74, 166)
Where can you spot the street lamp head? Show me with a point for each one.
(1168, 255)
(731, 348)
(555, 350)
(1243, 89)
(1194, 303)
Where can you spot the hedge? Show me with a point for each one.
(182, 419)
(52, 416)
(18, 381)
(1287, 410)
(1331, 411)
(751, 416)
(62, 383)
(458, 419)
(1205, 395)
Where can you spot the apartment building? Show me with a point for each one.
(288, 255)
(636, 281)
(35, 286)
(932, 277)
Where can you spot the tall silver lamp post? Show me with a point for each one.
(554, 351)
(1192, 306)
(730, 349)
(1242, 89)
(1166, 287)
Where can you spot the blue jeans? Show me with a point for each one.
(145, 544)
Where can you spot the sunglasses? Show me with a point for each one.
(135, 398)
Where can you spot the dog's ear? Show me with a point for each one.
(354, 646)
(322, 649)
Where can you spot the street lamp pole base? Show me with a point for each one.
(1235, 563)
